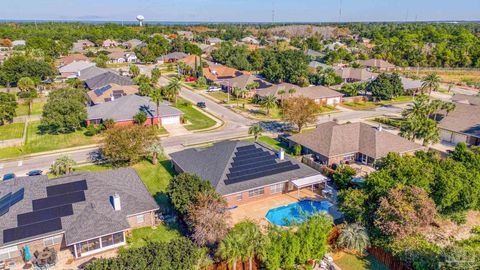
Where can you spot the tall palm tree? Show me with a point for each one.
(174, 88)
(63, 165)
(155, 150)
(243, 94)
(253, 241)
(237, 93)
(354, 237)
(281, 93)
(156, 96)
(30, 96)
(431, 82)
(229, 249)
(256, 131)
(269, 102)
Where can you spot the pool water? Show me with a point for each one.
(296, 212)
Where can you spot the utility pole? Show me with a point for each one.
(340, 12)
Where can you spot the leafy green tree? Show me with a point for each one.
(134, 70)
(230, 249)
(26, 84)
(64, 111)
(386, 86)
(343, 175)
(352, 203)
(140, 118)
(18, 66)
(431, 83)
(354, 237)
(155, 76)
(313, 236)
(127, 144)
(184, 189)
(256, 131)
(62, 165)
(8, 106)
(101, 60)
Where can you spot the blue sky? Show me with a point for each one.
(242, 10)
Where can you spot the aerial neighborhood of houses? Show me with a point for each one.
(123, 142)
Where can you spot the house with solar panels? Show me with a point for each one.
(77, 215)
(243, 171)
(110, 92)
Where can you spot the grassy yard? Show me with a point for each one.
(352, 262)
(399, 99)
(156, 178)
(37, 108)
(197, 119)
(275, 144)
(11, 131)
(369, 105)
(223, 97)
(46, 142)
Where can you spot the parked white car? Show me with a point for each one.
(214, 89)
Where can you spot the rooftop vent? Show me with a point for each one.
(281, 154)
(116, 202)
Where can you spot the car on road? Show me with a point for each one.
(8, 176)
(201, 104)
(34, 172)
(191, 79)
(214, 89)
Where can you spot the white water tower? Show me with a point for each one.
(140, 19)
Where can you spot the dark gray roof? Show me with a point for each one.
(91, 218)
(90, 72)
(331, 139)
(213, 164)
(124, 108)
(174, 55)
(465, 118)
(107, 78)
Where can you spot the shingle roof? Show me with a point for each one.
(76, 66)
(107, 78)
(410, 84)
(174, 55)
(91, 72)
(313, 92)
(213, 164)
(359, 74)
(217, 72)
(331, 139)
(313, 53)
(316, 64)
(124, 108)
(91, 218)
(465, 118)
(100, 95)
(376, 63)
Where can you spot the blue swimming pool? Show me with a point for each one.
(296, 212)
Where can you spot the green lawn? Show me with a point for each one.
(37, 108)
(223, 97)
(197, 119)
(352, 262)
(161, 232)
(399, 99)
(11, 131)
(46, 142)
(368, 105)
(275, 144)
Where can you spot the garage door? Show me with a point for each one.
(170, 120)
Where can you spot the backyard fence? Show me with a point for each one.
(308, 160)
(388, 259)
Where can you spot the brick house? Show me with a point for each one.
(320, 94)
(83, 213)
(122, 109)
(243, 171)
(332, 143)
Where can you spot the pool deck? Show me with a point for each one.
(257, 210)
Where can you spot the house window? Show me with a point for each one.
(51, 241)
(112, 239)
(89, 245)
(95, 121)
(349, 158)
(256, 192)
(238, 197)
(140, 219)
(8, 253)
(277, 188)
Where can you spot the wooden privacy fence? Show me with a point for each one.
(388, 259)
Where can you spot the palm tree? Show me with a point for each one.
(156, 150)
(229, 249)
(174, 88)
(236, 92)
(291, 91)
(354, 237)
(30, 96)
(431, 82)
(243, 94)
(256, 131)
(63, 165)
(281, 93)
(156, 96)
(252, 242)
(269, 102)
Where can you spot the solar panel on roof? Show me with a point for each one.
(44, 215)
(257, 169)
(119, 92)
(247, 147)
(58, 200)
(10, 199)
(17, 196)
(22, 232)
(238, 179)
(67, 188)
(5, 200)
(100, 91)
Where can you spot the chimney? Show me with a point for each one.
(281, 154)
(112, 98)
(380, 128)
(116, 202)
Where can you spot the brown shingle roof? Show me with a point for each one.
(313, 92)
(358, 74)
(464, 119)
(243, 81)
(218, 72)
(331, 139)
(376, 63)
(98, 97)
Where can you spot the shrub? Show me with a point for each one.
(297, 150)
